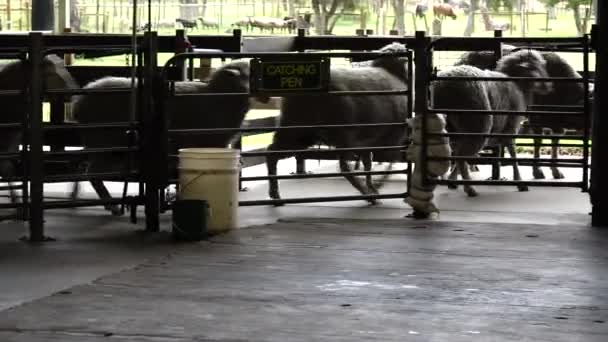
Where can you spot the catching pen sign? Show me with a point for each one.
(286, 76)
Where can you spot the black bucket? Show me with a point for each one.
(190, 219)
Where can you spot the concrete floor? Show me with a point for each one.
(93, 246)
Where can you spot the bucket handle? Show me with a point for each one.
(205, 172)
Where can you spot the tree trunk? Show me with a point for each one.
(319, 16)
(577, 19)
(291, 8)
(468, 31)
(187, 12)
(74, 16)
(399, 9)
(364, 14)
(204, 9)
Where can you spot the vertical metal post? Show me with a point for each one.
(410, 110)
(498, 150)
(35, 133)
(587, 111)
(155, 139)
(180, 47)
(599, 166)
(423, 67)
(300, 161)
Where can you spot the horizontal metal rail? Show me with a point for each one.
(506, 183)
(292, 55)
(287, 93)
(502, 135)
(507, 79)
(282, 128)
(323, 175)
(10, 92)
(88, 91)
(503, 159)
(329, 150)
(67, 127)
(126, 49)
(322, 199)
(11, 125)
(5, 156)
(11, 206)
(501, 112)
(92, 151)
(106, 176)
(549, 144)
(90, 202)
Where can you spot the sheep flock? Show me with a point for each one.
(384, 73)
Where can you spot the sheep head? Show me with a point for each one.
(526, 63)
(233, 78)
(395, 65)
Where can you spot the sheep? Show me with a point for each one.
(562, 94)
(267, 23)
(242, 23)
(421, 9)
(12, 77)
(184, 112)
(385, 73)
(484, 95)
(187, 23)
(441, 11)
(208, 23)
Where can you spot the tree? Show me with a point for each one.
(575, 5)
(468, 31)
(399, 9)
(327, 13)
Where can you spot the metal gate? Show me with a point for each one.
(540, 113)
(311, 153)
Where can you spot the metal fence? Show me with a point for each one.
(146, 150)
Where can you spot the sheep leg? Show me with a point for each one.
(273, 184)
(516, 175)
(557, 174)
(453, 176)
(464, 171)
(366, 160)
(103, 193)
(380, 183)
(537, 172)
(355, 182)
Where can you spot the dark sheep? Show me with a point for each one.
(13, 76)
(386, 73)
(185, 112)
(489, 95)
(562, 94)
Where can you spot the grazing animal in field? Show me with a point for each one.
(208, 23)
(489, 95)
(14, 76)
(187, 23)
(384, 73)
(183, 112)
(441, 11)
(421, 10)
(243, 23)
